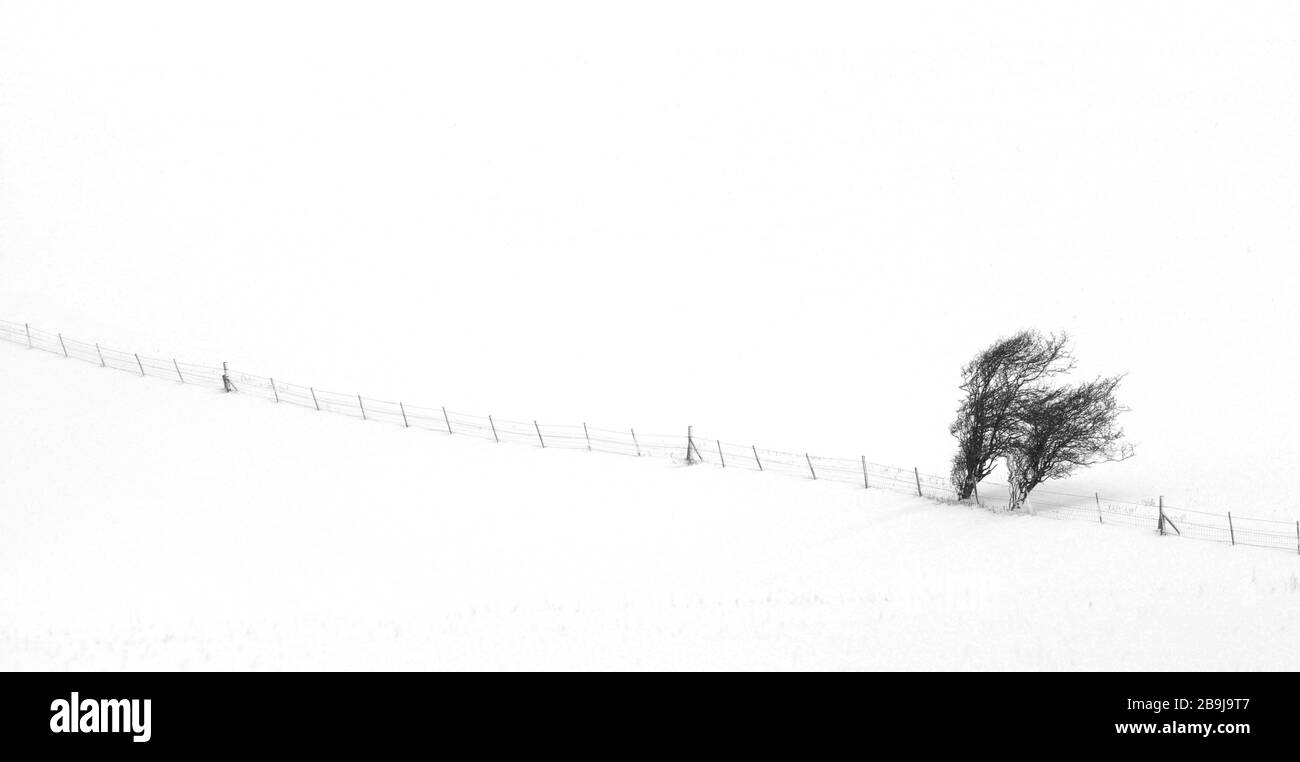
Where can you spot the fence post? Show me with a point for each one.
(976, 488)
(756, 460)
(275, 391)
(29, 335)
(361, 405)
(1160, 523)
(178, 370)
(225, 378)
(400, 406)
(1097, 496)
(721, 459)
(1232, 536)
(493, 424)
(539, 434)
(585, 434)
(445, 419)
(65, 346)
(866, 483)
(636, 443)
(917, 473)
(810, 468)
(100, 352)
(690, 445)
(313, 399)
(137, 362)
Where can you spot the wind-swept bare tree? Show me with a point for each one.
(995, 382)
(1056, 431)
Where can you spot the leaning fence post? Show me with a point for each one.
(275, 391)
(917, 472)
(539, 434)
(1232, 536)
(493, 424)
(721, 459)
(866, 483)
(65, 346)
(100, 352)
(137, 362)
(810, 468)
(29, 335)
(585, 434)
(756, 460)
(1097, 496)
(976, 489)
(402, 407)
(178, 370)
(313, 398)
(361, 405)
(636, 443)
(445, 419)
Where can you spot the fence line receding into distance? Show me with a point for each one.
(683, 447)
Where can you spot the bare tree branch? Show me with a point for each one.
(1059, 430)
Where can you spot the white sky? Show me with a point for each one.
(777, 222)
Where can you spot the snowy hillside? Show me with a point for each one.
(779, 226)
(150, 525)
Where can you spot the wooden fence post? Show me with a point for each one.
(808, 458)
(1097, 496)
(65, 346)
(1232, 536)
(690, 445)
(313, 398)
(405, 424)
(976, 488)
(275, 391)
(866, 482)
(29, 335)
(493, 424)
(100, 352)
(721, 459)
(225, 377)
(756, 460)
(635, 443)
(917, 472)
(361, 405)
(178, 370)
(585, 434)
(539, 434)
(446, 419)
(1160, 522)
(137, 362)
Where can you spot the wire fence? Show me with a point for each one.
(684, 447)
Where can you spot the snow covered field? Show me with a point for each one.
(782, 226)
(786, 226)
(149, 525)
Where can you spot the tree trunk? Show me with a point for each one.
(1020, 482)
(967, 487)
(964, 480)
(1015, 495)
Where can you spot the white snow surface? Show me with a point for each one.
(783, 225)
(150, 525)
